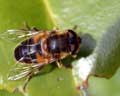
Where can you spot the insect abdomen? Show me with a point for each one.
(26, 51)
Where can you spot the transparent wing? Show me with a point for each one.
(22, 70)
(17, 35)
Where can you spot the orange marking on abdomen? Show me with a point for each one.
(40, 59)
(44, 60)
(39, 36)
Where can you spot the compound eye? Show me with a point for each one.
(74, 41)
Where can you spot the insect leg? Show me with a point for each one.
(55, 28)
(59, 64)
(74, 56)
(34, 29)
(27, 31)
(35, 71)
(28, 28)
(27, 81)
(75, 27)
(58, 61)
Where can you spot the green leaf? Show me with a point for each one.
(108, 52)
(91, 16)
(6, 93)
(107, 61)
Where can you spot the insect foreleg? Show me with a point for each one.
(74, 27)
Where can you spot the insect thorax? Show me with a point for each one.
(57, 43)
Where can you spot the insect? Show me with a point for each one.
(42, 48)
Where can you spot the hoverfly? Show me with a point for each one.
(42, 48)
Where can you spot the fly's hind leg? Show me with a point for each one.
(26, 82)
(30, 76)
(23, 88)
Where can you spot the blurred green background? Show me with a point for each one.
(91, 16)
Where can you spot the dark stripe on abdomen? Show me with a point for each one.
(26, 51)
